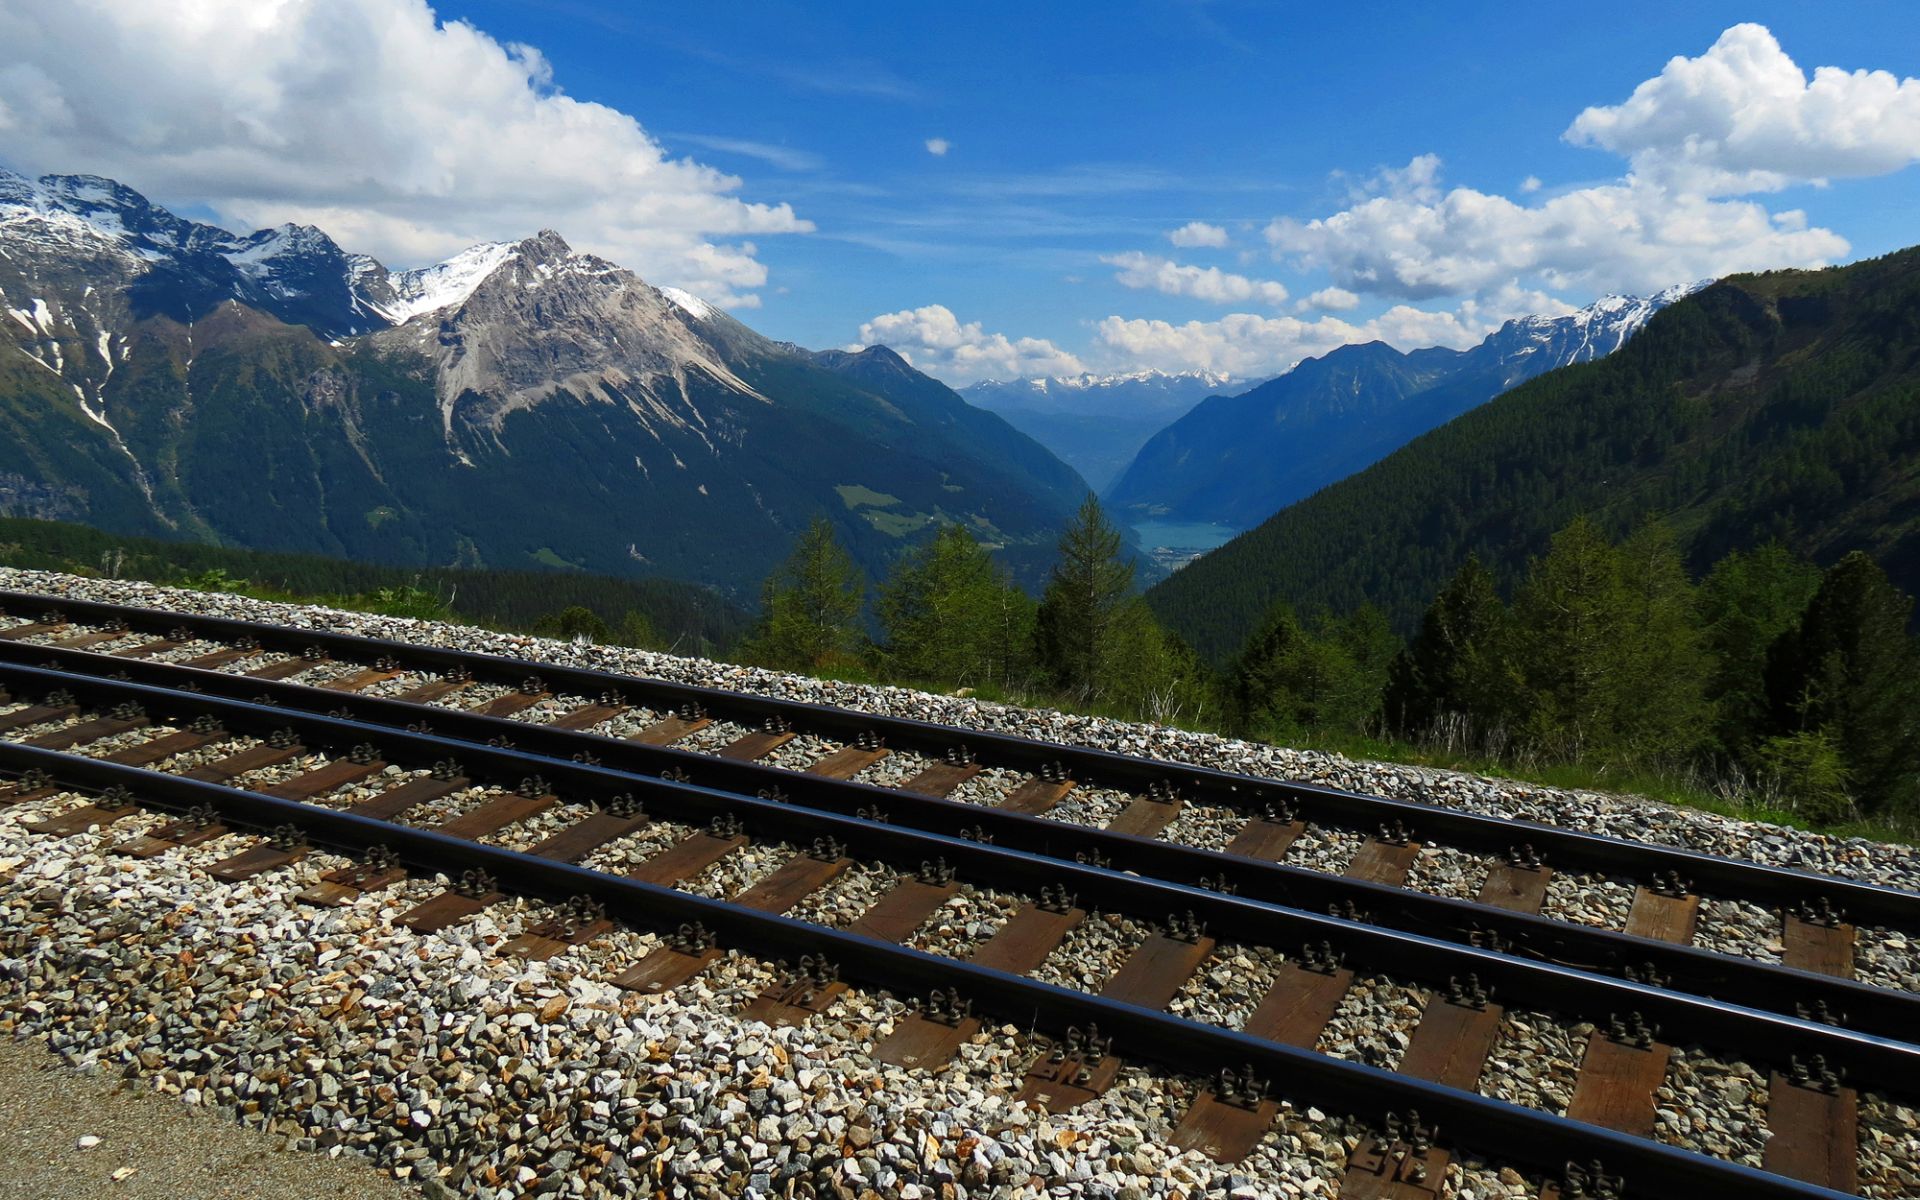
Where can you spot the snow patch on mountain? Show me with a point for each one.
(429, 289)
(693, 305)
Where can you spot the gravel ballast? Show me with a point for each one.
(440, 1060)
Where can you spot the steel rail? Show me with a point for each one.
(1757, 984)
(1564, 849)
(1750, 1031)
(1527, 1136)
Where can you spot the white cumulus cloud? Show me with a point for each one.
(400, 135)
(1634, 235)
(1244, 344)
(1333, 299)
(1211, 284)
(937, 342)
(1198, 233)
(1248, 344)
(1743, 117)
(938, 147)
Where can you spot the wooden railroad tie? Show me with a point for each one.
(1268, 836)
(285, 846)
(1150, 812)
(1625, 1065)
(1519, 884)
(1040, 792)
(1386, 857)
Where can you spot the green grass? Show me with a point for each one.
(854, 495)
(1680, 790)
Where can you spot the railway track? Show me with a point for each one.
(69, 702)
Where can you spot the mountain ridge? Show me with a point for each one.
(534, 406)
(1236, 460)
(1783, 405)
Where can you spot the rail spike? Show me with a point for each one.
(691, 938)
(1321, 958)
(1820, 912)
(1590, 1182)
(938, 873)
(1242, 1088)
(1631, 1030)
(626, 806)
(1278, 812)
(476, 883)
(1055, 898)
(1814, 1073)
(1183, 927)
(1468, 992)
(1669, 883)
(581, 912)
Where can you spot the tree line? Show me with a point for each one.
(1768, 670)
(1768, 675)
(948, 616)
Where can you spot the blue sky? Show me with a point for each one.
(1076, 139)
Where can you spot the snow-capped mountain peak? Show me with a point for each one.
(691, 304)
(444, 284)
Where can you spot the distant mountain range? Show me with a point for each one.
(520, 404)
(1236, 460)
(1777, 406)
(1097, 423)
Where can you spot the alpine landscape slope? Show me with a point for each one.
(520, 404)
(1236, 460)
(1781, 406)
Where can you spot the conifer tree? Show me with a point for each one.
(1290, 680)
(1850, 670)
(1074, 629)
(948, 616)
(810, 605)
(1660, 665)
(1568, 619)
(1453, 670)
(1747, 601)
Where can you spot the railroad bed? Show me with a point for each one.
(950, 870)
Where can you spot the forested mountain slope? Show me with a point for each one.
(1777, 406)
(1237, 460)
(522, 405)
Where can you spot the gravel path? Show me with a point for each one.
(79, 1134)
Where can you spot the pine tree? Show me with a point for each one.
(1289, 680)
(1569, 618)
(1660, 664)
(810, 606)
(1747, 601)
(951, 617)
(1850, 670)
(1074, 628)
(1453, 672)
(1151, 674)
